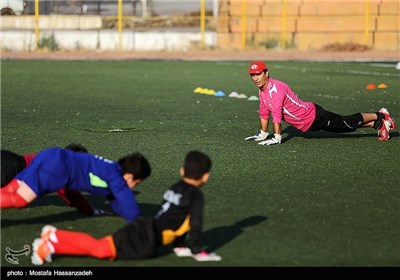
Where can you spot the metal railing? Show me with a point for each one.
(132, 14)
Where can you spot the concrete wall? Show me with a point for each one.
(18, 40)
(51, 22)
(86, 33)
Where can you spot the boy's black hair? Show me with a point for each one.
(196, 164)
(136, 164)
(76, 147)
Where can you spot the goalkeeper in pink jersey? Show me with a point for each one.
(278, 100)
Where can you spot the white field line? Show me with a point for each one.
(355, 72)
(354, 99)
(385, 65)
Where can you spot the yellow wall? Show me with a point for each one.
(310, 24)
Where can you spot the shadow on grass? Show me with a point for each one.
(146, 209)
(217, 237)
(43, 220)
(292, 132)
(56, 200)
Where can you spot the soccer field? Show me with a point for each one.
(318, 199)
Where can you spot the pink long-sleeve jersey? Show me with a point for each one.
(280, 101)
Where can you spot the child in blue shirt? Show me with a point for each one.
(56, 168)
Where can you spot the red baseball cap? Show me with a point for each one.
(257, 67)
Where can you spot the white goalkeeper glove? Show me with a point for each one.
(206, 257)
(183, 252)
(276, 140)
(262, 136)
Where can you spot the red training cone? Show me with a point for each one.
(370, 86)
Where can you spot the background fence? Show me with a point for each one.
(219, 24)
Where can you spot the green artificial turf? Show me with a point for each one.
(318, 199)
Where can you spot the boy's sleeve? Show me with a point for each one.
(125, 205)
(196, 224)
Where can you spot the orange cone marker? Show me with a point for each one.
(370, 86)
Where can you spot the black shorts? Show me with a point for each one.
(328, 121)
(11, 165)
(137, 240)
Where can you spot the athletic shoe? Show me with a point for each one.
(41, 251)
(48, 233)
(42, 248)
(182, 252)
(383, 132)
(206, 257)
(388, 118)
